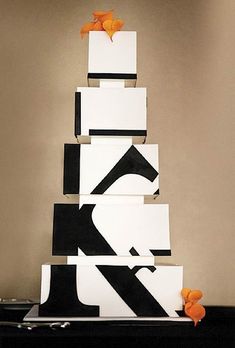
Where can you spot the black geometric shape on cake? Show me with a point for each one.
(135, 269)
(132, 291)
(133, 252)
(132, 162)
(161, 252)
(63, 298)
(73, 228)
(155, 252)
(77, 119)
(71, 168)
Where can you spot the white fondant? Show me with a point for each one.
(112, 83)
(112, 108)
(142, 226)
(116, 56)
(99, 159)
(45, 282)
(110, 260)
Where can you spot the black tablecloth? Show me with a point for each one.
(217, 329)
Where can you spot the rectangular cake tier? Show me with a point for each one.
(111, 229)
(111, 169)
(114, 58)
(110, 112)
(111, 291)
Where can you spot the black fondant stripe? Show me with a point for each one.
(132, 291)
(63, 299)
(71, 168)
(161, 252)
(132, 162)
(120, 132)
(112, 76)
(77, 123)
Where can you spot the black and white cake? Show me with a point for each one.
(111, 236)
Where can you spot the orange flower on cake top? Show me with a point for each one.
(102, 16)
(86, 28)
(103, 21)
(111, 26)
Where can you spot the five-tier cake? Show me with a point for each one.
(111, 236)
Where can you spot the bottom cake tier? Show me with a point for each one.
(110, 291)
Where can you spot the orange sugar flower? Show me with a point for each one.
(194, 296)
(98, 26)
(91, 26)
(195, 311)
(102, 16)
(185, 292)
(111, 26)
(103, 20)
(86, 28)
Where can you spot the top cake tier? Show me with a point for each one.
(112, 59)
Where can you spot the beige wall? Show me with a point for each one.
(186, 60)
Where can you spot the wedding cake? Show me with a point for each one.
(111, 236)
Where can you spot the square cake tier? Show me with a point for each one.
(114, 59)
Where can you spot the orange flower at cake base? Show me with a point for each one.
(193, 309)
(103, 21)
